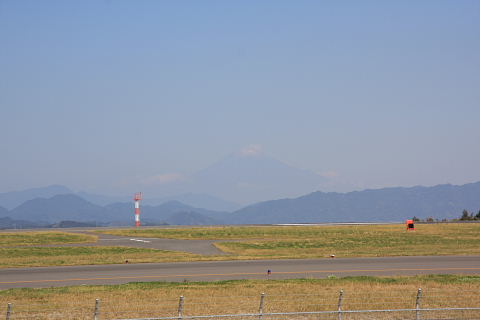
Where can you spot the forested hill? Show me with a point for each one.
(388, 204)
(380, 205)
(70, 207)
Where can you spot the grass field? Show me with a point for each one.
(65, 256)
(294, 232)
(153, 299)
(250, 243)
(228, 297)
(321, 241)
(42, 238)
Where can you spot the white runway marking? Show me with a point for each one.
(140, 240)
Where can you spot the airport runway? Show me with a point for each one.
(223, 270)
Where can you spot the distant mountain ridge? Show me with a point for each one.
(192, 199)
(70, 207)
(57, 208)
(9, 223)
(241, 178)
(253, 177)
(13, 199)
(197, 200)
(382, 205)
(164, 213)
(245, 177)
(379, 205)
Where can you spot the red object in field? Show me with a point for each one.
(410, 225)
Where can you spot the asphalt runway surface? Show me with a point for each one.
(204, 247)
(226, 270)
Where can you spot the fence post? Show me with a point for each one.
(260, 309)
(9, 310)
(417, 304)
(340, 300)
(96, 315)
(180, 308)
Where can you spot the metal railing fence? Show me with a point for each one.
(436, 305)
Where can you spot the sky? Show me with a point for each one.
(100, 95)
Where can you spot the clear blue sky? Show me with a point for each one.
(98, 95)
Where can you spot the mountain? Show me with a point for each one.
(192, 199)
(164, 213)
(13, 199)
(197, 200)
(252, 177)
(382, 205)
(72, 208)
(58, 208)
(190, 218)
(121, 212)
(73, 224)
(388, 204)
(175, 212)
(8, 223)
(3, 212)
(102, 200)
(243, 177)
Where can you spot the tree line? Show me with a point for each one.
(465, 216)
(469, 216)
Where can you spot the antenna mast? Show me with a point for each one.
(137, 198)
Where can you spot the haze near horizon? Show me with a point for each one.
(117, 97)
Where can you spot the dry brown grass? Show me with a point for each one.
(452, 230)
(258, 243)
(31, 238)
(232, 297)
(67, 256)
(276, 242)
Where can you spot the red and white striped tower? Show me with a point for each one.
(137, 198)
